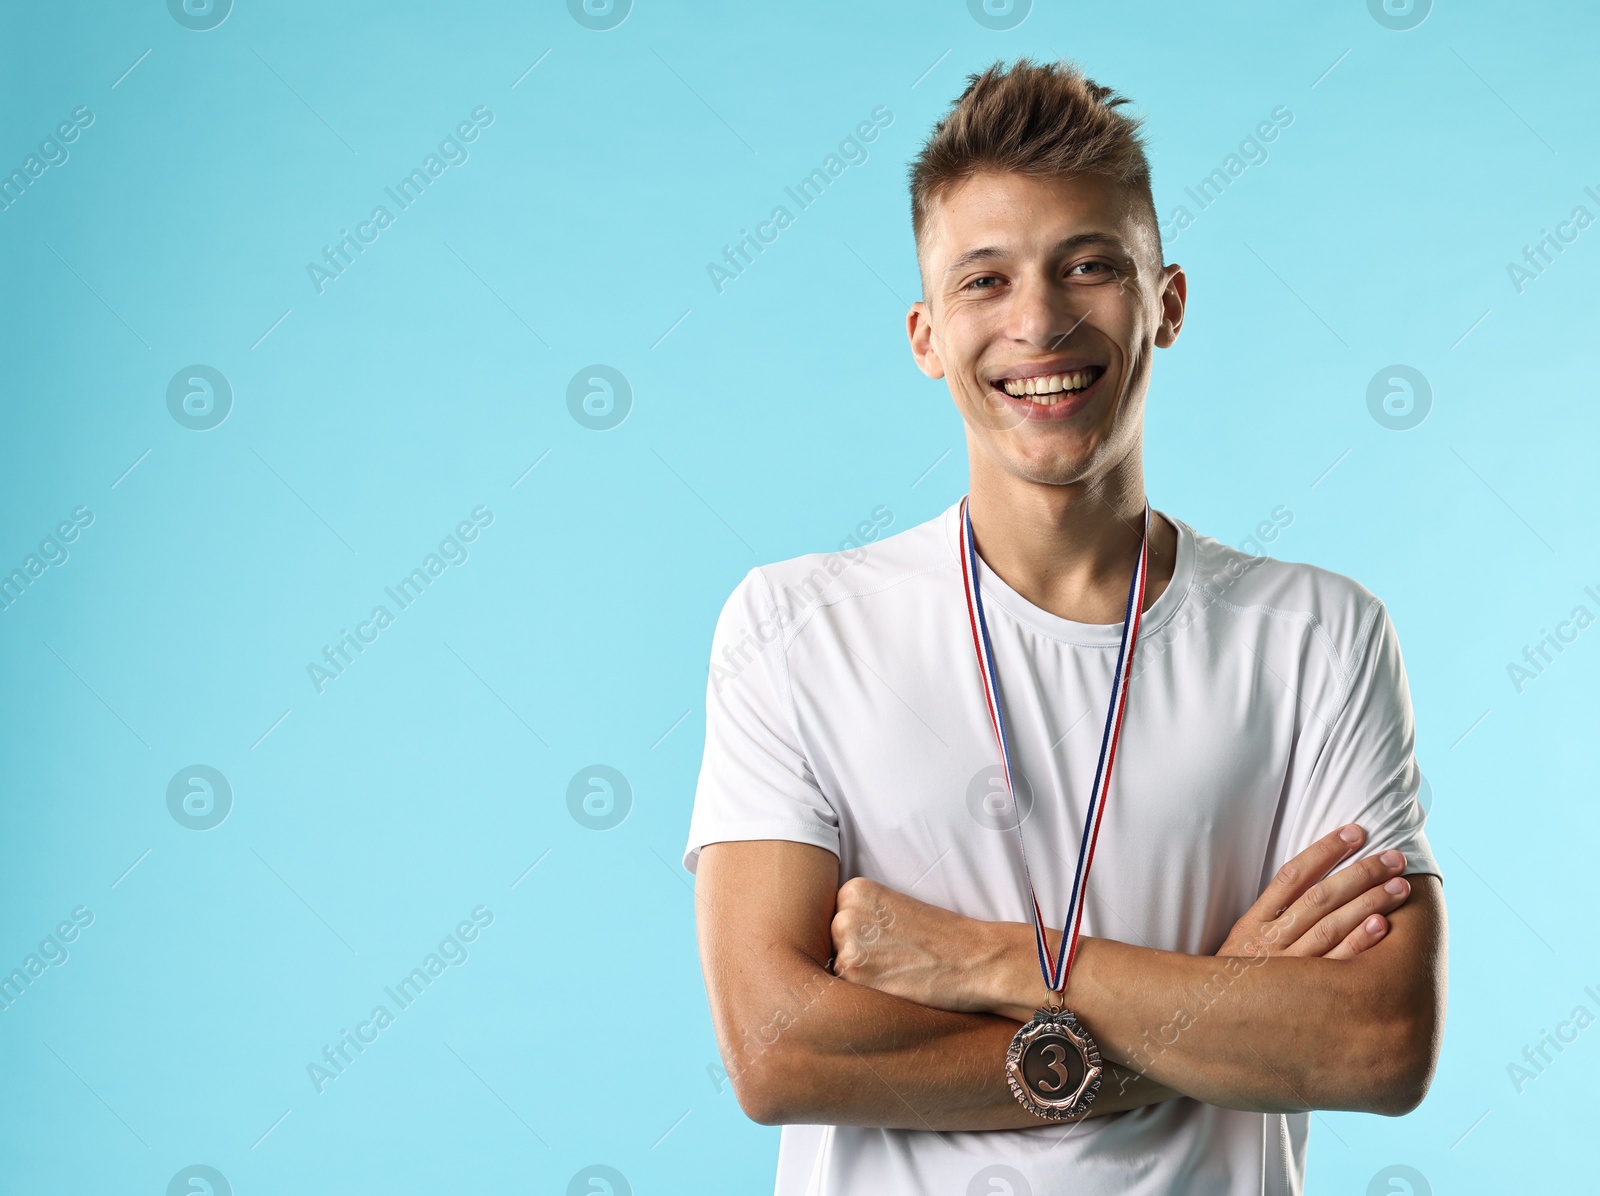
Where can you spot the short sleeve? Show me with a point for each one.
(1366, 770)
(755, 781)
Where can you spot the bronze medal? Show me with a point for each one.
(1054, 1066)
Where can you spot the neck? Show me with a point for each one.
(1070, 549)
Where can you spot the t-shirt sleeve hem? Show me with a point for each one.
(743, 832)
(1423, 867)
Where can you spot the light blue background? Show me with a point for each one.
(766, 421)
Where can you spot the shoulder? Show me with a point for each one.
(1334, 610)
(873, 567)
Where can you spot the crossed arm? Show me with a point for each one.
(1328, 994)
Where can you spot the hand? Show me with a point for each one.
(904, 947)
(1305, 912)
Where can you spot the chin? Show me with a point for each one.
(1050, 473)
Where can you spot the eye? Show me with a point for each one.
(994, 278)
(1094, 268)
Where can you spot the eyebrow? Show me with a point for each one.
(989, 253)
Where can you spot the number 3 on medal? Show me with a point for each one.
(1055, 1065)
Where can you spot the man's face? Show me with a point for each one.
(1052, 286)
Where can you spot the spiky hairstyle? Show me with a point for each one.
(1044, 120)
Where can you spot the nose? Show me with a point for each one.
(1045, 312)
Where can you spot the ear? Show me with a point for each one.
(919, 331)
(1174, 298)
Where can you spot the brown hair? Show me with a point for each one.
(1038, 119)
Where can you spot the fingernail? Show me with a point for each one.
(1375, 924)
(1397, 886)
(1350, 834)
(1392, 859)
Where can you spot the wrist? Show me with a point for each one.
(1007, 980)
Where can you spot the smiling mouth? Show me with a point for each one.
(1046, 390)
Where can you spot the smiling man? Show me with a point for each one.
(1054, 846)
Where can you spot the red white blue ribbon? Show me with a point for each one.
(1055, 972)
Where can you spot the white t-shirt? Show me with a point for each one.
(1268, 706)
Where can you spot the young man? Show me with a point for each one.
(1249, 947)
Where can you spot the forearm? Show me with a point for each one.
(1274, 1034)
(838, 1053)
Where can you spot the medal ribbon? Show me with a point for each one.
(1055, 974)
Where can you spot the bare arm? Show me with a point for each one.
(1278, 1034)
(802, 1045)
(1257, 1027)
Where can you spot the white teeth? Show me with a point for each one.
(1051, 384)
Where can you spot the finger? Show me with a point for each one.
(841, 931)
(1330, 931)
(1305, 870)
(1358, 940)
(1332, 893)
